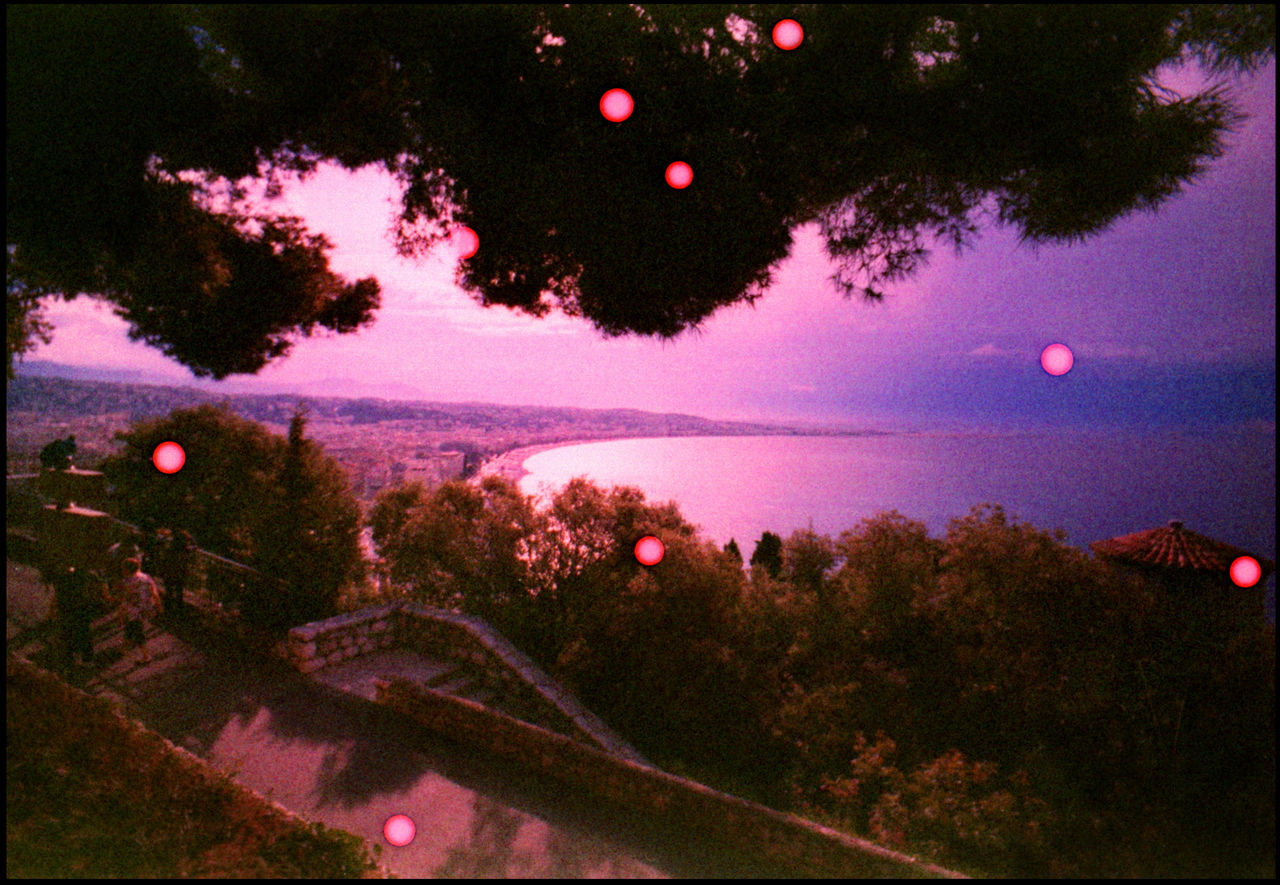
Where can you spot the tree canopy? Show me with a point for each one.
(281, 506)
(994, 697)
(132, 132)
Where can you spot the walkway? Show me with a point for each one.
(334, 757)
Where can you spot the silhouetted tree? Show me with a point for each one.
(280, 506)
(312, 541)
(461, 546)
(890, 126)
(732, 549)
(806, 558)
(768, 553)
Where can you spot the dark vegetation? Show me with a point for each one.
(280, 506)
(994, 699)
(136, 133)
(89, 794)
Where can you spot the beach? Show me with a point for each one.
(510, 464)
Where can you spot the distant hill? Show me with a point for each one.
(60, 398)
(49, 369)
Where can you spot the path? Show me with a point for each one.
(334, 757)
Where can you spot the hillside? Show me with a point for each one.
(371, 438)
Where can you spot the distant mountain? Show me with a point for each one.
(349, 387)
(327, 387)
(55, 396)
(49, 369)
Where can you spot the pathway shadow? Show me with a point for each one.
(200, 684)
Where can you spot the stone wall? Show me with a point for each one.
(785, 840)
(487, 656)
(340, 638)
(88, 488)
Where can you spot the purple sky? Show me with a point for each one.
(1168, 315)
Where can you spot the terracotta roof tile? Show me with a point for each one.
(1173, 546)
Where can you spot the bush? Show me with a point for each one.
(952, 810)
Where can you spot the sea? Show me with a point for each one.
(1092, 484)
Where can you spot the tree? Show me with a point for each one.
(565, 586)
(653, 649)
(888, 575)
(25, 325)
(806, 559)
(130, 129)
(732, 549)
(768, 553)
(313, 540)
(280, 506)
(125, 108)
(461, 546)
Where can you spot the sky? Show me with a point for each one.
(1170, 316)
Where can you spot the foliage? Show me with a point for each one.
(950, 807)
(96, 205)
(280, 506)
(732, 549)
(889, 570)
(651, 649)
(768, 553)
(313, 540)
(891, 127)
(25, 323)
(806, 559)
(1036, 712)
(1001, 644)
(462, 546)
(92, 795)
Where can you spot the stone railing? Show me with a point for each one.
(781, 840)
(487, 656)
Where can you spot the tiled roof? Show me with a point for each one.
(1173, 546)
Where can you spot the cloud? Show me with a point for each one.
(990, 350)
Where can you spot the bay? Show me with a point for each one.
(1092, 484)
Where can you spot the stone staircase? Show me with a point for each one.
(453, 654)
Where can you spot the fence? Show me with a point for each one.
(216, 583)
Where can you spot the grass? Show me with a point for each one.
(92, 794)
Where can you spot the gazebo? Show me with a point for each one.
(1185, 562)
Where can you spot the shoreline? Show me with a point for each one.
(510, 464)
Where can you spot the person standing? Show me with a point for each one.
(118, 554)
(71, 596)
(155, 546)
(138, 606)
(175, 571)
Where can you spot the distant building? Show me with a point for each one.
(434, 470)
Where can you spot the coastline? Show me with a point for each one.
(510, 464)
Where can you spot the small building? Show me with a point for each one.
(1190, 566)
